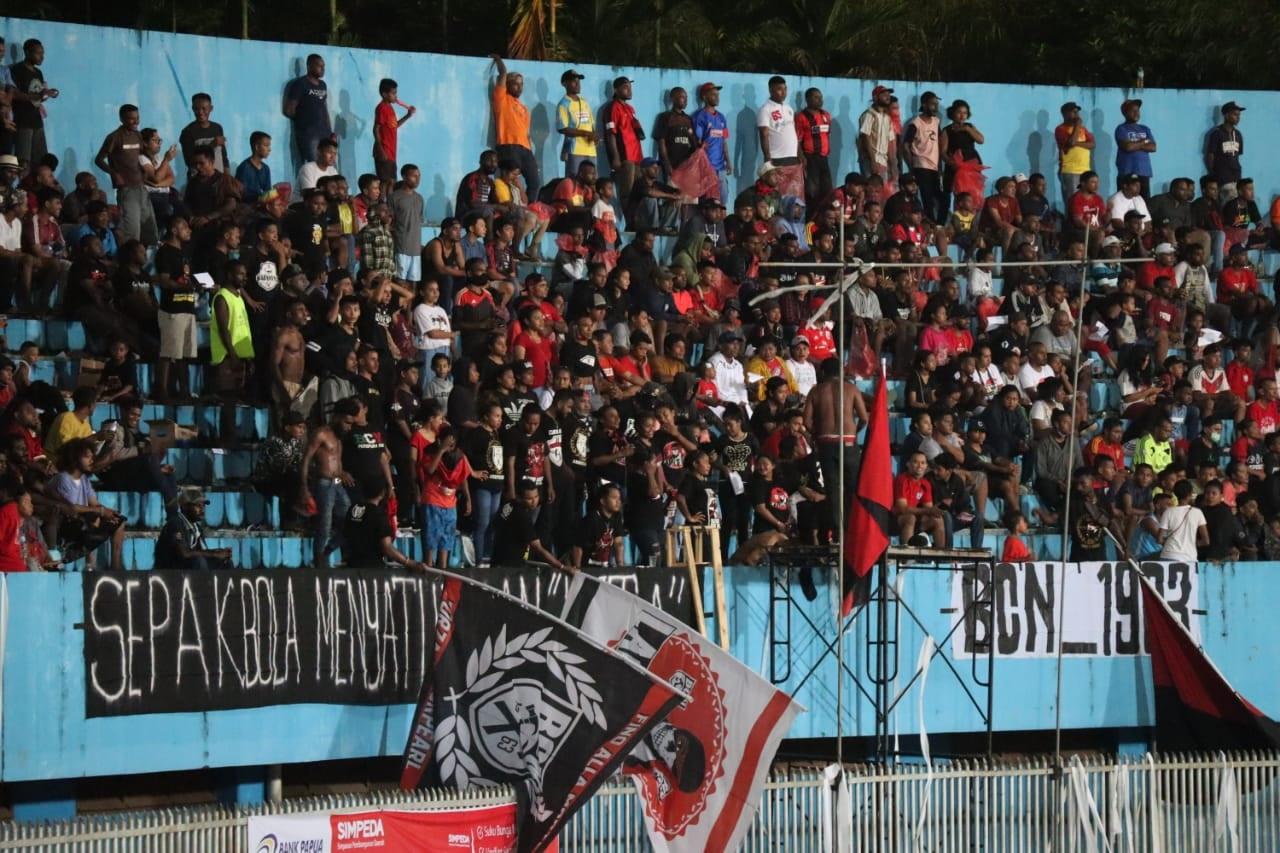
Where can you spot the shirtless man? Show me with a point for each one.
(820, 413)
(289, 390)
(331, 501)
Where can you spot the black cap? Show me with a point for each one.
(1130, 179)
(618, 81)
(708, 201)
(1137, 102)
(907, 178)
(1231, 106)
(924, 96)
(571, 74)
(1069, 106)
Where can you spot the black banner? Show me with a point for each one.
(157, 642)
(200, 641)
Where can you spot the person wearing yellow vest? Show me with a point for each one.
(231, 343)
(1075, 149)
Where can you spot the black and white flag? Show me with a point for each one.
(516, 697)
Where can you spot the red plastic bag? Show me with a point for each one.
(696, 178)
(862, 358)
(968, 177)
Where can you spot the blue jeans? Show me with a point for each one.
(656, 213)
(725, 189)
(332, 503)
(487, 504)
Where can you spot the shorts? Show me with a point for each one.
(385, 170)
(177, 335)
(442, 526)
(408, 267)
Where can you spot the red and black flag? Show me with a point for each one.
(517, 697)
(1196, 709)
(867, 534)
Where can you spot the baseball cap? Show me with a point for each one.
(1166, 249)
(1238, 249)
(707, 87)
(290, 271)
(1019, 177)
(881, 90)
(906, 178)
(598, 301)
(618, 81)
(1229, 106)
(730, 335)
(1069, 106)
(708, 201)
(1130, 178)
(571, 74)
(760, 227)
(798, 340)
(925, 96)
(664, 272)
(649, 161)
(1137, 102)
(976, 425)
(1111, 240)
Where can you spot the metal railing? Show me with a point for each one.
(1191, 803)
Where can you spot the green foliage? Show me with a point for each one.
(1179, 43)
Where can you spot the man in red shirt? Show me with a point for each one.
(12, 517)
(386, 132)
(1166, 256)
(1164, 317)
(1265, 411)
(622, 136)
(1238, 288)
(1086, 210)
(813, 126)
(913, 507)
(1239, 373)
(1001, 214)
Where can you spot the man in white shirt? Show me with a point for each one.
(731, 380)
(877, 143)
(800, 366)
(776, 120)
(325, 165)
(1035, 370)
(1128, 198)
(1183, 527)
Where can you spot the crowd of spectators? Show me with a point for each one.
(553, 409)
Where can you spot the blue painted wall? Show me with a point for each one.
(98, 68)
(46, 735)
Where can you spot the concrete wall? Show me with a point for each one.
(98, 68)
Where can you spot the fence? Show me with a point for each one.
(1168, 803)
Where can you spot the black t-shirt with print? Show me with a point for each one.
(738, 456)
(699, 497)
(529, 452)
(128, 283)
(776, 499)
(362, 450)
(174, 262)
(264, 278)
(366, 526)
(484, 452)
(602, 443)
(677, 129)
(596, 537)
(306, 234)
(26, 115)
(643, 512)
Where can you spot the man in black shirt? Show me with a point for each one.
(365, 458)
(177, 314)
(203, 133)
(599, 540)
(31, 92)
(369, 387)
(674, 133)
(520, 529)
(525, 454)
(1224, 528)
(367, 539)
(305, 228)
(646, 490)
(1012, 337)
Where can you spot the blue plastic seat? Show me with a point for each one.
(215, 513)
(154, 512)
(231, 464)
(233, 503)
(144, 553)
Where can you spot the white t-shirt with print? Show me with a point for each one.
(779, 121)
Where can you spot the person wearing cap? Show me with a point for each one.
(802, 369)
(1223, 148)
(813, 126)
(711, 129)
(877, 143)
(922, 153)
(622, 136)
(1126, 199)
(730, 377)
(1134, 146)
(706, 222)
(511, 124)
(9, 179)
(673, 132)
(576, 122)
(1075, 149)
(776, 121)
(181, 542)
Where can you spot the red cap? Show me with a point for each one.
(708, 86)
(881, 90)
(761, 227)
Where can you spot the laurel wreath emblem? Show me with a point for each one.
(485, 668)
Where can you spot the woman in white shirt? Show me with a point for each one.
(432, 332)
(1183, 527)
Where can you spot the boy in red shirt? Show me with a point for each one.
(913, 507)
(1085, 210)
(1238, 285)
(1239, 374)
(1265, 411)
(386, 129)
(443, 472)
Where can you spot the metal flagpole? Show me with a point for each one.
(1072, 439)
(842, 352)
